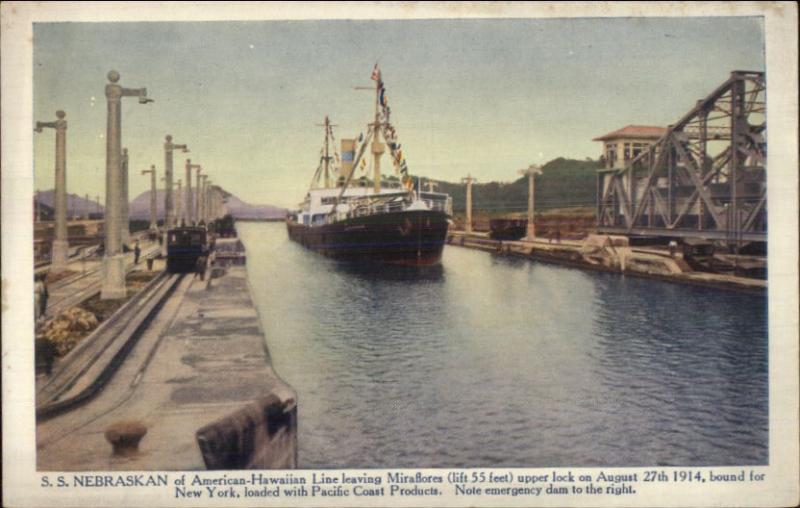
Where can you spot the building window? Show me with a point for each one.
(611, 154)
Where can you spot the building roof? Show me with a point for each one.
(634, 131)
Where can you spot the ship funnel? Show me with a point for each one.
(348, 157)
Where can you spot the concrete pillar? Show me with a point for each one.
(124, 213)
(202, 204)
(180, 213)
(531, 230)
(469, 181)
(60, 251)
(215, 200)
(207, 201)
(153, 204)
(190, 216)
(169, 219)
(532, 171)
(196, 210)
(113, 286)
(169, 213)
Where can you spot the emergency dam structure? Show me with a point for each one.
(704, 178)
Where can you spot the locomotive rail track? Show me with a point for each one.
(77, 289)
(86, 369)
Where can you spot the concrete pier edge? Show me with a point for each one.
(539, 251)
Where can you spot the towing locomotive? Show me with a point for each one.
(184, 246)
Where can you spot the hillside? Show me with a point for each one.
(77, 206)
(140, 208)
(564, 183)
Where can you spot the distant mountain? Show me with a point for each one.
(140, 207)
(77, 206)
(241, 210)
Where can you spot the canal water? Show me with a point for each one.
(493, 361)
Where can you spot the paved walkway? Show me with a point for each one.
(203, 357)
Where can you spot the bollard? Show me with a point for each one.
(124, 436)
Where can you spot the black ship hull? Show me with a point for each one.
(410, 237)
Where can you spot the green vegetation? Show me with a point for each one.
(563, 184)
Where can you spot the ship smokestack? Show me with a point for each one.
(348, 157)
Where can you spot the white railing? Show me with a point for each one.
(363, 208)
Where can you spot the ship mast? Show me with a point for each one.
(377, 146)
(325, 160)
(327, 156)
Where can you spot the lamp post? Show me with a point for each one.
(153, 205)
(192, 209)
(198, 195)
(202, 200)
(207, 204)
(469, 181)
(531, 171)
(169, 214)
(113, 286)
(180, 215)
(60, 249)
(211, 205)
(164, 224)
(125, 231)
(215, 202)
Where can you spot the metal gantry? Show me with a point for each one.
(704, 178)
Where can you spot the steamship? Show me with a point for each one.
(350, 218)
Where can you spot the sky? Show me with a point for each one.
(483, 97)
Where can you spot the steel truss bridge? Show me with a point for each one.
(704, 178)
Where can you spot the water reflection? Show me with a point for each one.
(495, 361)
(374, 271)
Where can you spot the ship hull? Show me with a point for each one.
(410, 237)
